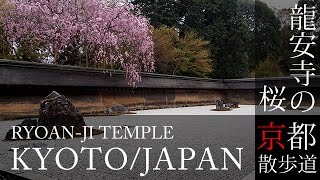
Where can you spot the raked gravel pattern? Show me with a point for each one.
(197, 132)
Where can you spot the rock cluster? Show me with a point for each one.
(55, 110)
(116, 109)
(222, 106)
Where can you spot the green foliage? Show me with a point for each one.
(4, 48)
(285, 60)
(226, 24)
(165, 40)
(187, 55)
(160, 12)
(29, 51)
(267, 32)
(232, 41)
(315, 50)
(286, 50)
(194, 56)
(268, 68)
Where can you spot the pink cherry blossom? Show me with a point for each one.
(112, 33)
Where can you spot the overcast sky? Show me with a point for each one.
(280, 4)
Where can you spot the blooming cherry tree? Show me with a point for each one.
(113, 34)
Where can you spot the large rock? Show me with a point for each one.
(57, 110)
(219, 105)
(27, 122)
(116, 109)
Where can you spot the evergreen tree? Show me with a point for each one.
(160, 12)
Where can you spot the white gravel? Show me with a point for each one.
(199, 110)
(243, 110)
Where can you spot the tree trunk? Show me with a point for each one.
(87, 61)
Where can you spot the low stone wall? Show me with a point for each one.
(23, 85)
(24, 101)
